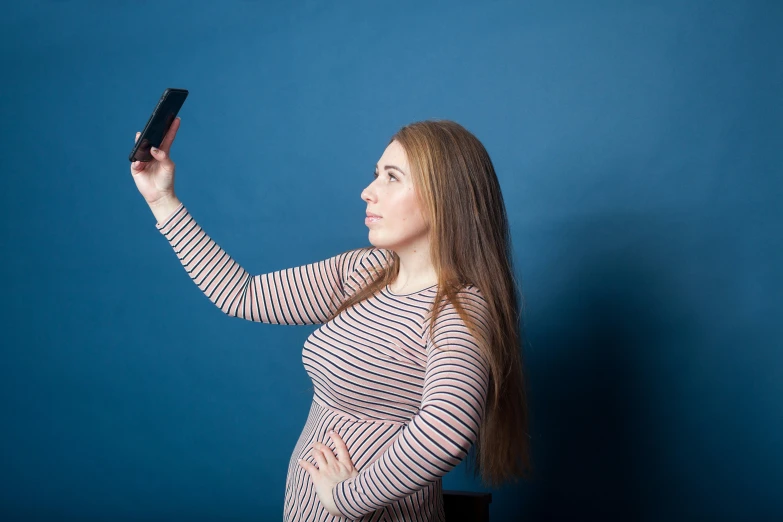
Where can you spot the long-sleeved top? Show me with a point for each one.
(406, 401)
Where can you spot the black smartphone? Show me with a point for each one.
(160, 120)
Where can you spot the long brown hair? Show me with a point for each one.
(470, 244)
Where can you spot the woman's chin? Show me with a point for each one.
(378, 242)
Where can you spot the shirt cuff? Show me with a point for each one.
(338, 495)
(166, 224)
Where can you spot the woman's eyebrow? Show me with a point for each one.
(387, 167)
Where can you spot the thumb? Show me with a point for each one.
(163, 158)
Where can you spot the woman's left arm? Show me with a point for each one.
(439, 436)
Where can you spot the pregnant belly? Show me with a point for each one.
(366, 440)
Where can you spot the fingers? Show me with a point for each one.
(323, 455)
(340, 448)
(163, 159)
(137, 165)
(168, 139)
(312, 470)
(319, 458)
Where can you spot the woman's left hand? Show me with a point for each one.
(330, 471)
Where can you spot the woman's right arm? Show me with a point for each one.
(304, 295)
(308, 294)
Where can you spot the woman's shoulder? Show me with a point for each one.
(472, 292)
(371, 257)
(468, 319)
(468, 295)
(472, 303)
(363, 259)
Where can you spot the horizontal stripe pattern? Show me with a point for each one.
(307, 294)
(451, 406)
(407, 402)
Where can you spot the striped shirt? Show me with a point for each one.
(407, 409)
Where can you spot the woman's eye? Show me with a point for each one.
(392, 176)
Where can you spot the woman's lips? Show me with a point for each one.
(371, 218)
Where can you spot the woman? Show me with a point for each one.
(402, 388)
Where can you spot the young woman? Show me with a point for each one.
(418, 357)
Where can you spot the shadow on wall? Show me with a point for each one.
(594, 367)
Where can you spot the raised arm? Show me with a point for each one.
(447, 424)
(304, 295)
(307, 294)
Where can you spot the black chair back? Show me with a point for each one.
(466, 506)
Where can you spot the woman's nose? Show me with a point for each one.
(366, 195)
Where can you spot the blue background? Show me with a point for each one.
(638, 146)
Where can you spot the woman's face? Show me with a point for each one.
(392, 196)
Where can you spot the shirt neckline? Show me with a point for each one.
(389, 291)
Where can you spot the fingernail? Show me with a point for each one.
(153, 149)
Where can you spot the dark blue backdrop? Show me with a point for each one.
(639, 151)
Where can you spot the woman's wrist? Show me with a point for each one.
(164, 207)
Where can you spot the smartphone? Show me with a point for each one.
(160, 120)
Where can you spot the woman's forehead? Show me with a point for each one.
(394, 155)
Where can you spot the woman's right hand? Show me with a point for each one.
(155, 179)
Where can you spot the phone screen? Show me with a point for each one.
(159, 122)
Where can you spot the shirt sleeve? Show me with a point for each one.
(308, 294)
(441, 433)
